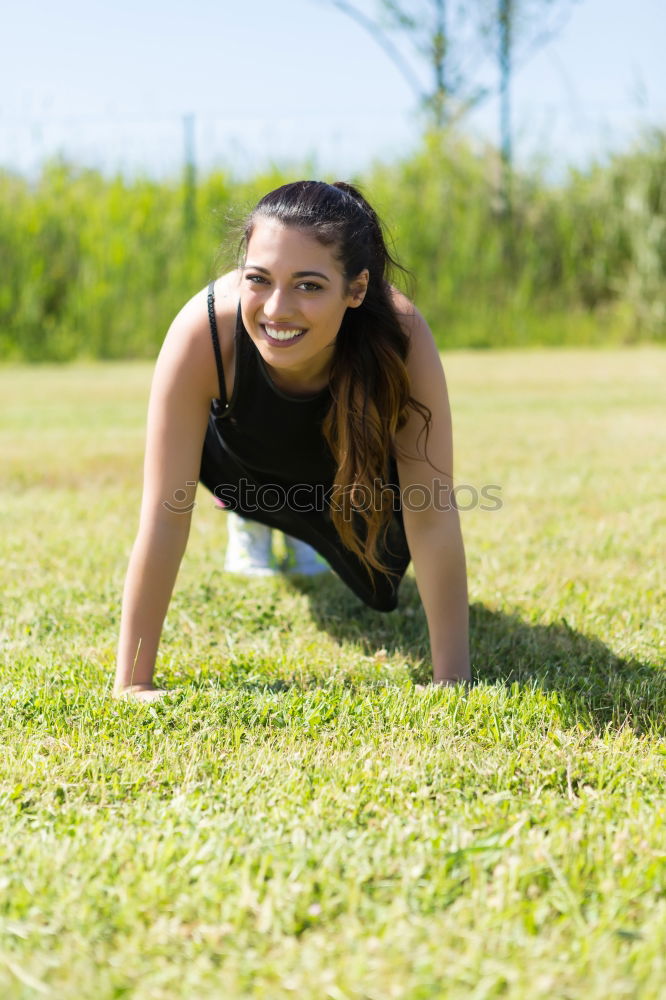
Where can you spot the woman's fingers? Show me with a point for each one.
(140, 692)
(452, 682)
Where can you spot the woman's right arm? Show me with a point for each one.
(182, 387)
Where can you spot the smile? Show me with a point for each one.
(284, 334)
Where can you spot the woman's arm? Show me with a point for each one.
(432, 523)
(180, 395)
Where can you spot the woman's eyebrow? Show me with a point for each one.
(296, 274)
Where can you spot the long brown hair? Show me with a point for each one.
(368, 380)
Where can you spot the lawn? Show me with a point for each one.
(299, 819)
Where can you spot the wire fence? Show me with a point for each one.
(161, 144)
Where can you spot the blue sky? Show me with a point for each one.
(290, 80)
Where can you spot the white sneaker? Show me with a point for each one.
(249, 547)
(302, 558)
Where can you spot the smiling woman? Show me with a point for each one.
(283, 308)
(322, 410)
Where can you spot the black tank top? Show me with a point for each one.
(270, 439)
(271, 433)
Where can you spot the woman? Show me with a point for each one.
(307, 394)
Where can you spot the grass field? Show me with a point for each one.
(300, 820)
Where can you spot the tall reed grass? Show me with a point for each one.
(97, 267)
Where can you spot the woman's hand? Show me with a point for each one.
(141, 692)
(449, 682)
(432, 522)
(178, 410)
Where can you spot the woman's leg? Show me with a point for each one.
(302, 558)
(249, 551)
(249, 547)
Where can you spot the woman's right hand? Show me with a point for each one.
(184, 382)
(141, 692)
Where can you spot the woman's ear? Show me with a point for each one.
(358, 286)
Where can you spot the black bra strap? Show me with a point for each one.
(216, 343)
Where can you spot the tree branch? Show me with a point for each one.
(384, 42)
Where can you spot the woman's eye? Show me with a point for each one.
(310, 286)
(255, 279)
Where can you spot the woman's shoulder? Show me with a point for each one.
(193, 317)
(410, 318)
(190, 331)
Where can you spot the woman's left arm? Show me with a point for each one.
(432, 523)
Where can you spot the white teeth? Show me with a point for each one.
(283, 334)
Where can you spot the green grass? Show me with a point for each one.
(300, 820)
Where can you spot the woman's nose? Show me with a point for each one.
(277, 304)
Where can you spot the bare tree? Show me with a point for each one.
(429, 26)
(505, 14)
(455, 40)
(515, 29)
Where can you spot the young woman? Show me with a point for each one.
(307, 394)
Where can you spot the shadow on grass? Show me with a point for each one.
(595, 686)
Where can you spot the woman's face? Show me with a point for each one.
(293, 298)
